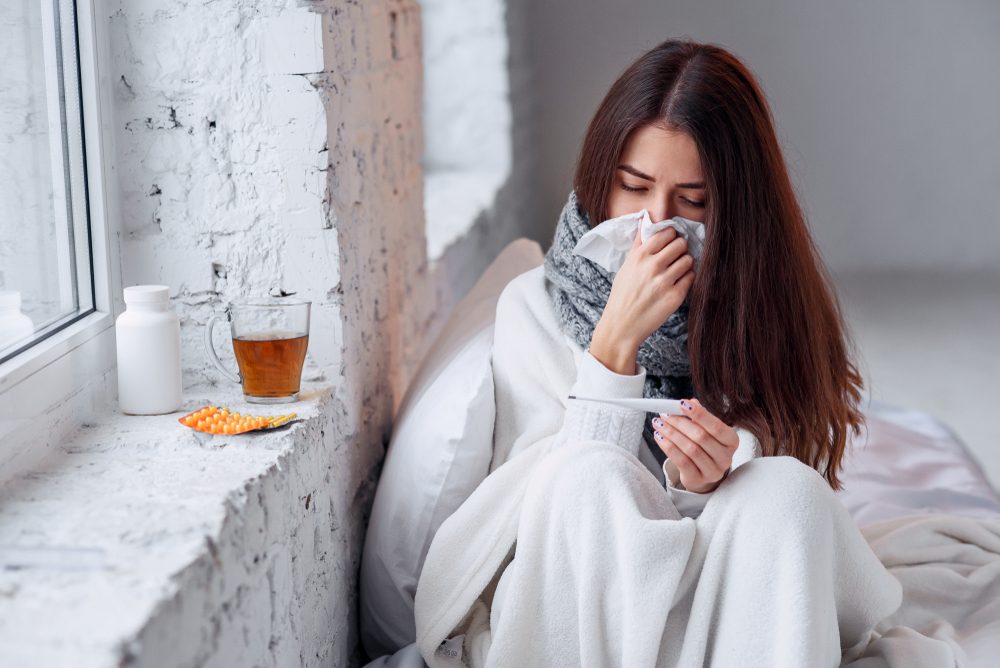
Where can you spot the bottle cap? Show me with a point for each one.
(147, 294)
(10, 299)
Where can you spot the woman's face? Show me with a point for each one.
(659, 171)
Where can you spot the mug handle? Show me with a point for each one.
(210, 349)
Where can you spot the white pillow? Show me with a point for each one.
(440, 451)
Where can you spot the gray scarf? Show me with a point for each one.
(579, 290)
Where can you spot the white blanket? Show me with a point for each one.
(949, 568)
(619, 579)
(615, 576)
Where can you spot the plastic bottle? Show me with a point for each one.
(14, 325)
(148, 338)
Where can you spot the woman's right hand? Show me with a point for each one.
(650, 285)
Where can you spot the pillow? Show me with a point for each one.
(440, 450)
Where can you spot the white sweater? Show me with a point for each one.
(527, 341)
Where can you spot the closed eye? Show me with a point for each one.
(631, 189)
(690, 202)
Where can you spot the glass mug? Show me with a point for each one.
(270, 337)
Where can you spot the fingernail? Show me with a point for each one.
(657, 435)
(685, 405)
(658, 422)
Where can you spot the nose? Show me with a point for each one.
(662, 210)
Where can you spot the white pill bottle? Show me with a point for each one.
(148, 338)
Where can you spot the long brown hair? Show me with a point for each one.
(768, 346)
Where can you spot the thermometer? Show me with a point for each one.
(650, 405)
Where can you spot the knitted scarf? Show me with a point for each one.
(579, 290)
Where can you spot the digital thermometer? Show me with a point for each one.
(651, 405)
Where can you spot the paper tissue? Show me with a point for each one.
(608, 244)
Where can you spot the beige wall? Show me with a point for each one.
(888, 112)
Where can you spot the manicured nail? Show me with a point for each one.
(658, 422)
(686, 406)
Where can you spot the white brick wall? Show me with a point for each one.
(222, 155)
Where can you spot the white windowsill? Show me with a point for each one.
(453, 200)
(43, 353)
(99, 540)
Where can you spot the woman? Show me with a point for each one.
(608, 537)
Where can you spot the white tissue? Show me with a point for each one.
(608, 244)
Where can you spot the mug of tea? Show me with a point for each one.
(270, 337)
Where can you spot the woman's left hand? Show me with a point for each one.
(699, 443)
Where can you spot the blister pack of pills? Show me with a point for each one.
(215, 420)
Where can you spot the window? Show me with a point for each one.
(46, 276)
(57, 269)
(467, 115)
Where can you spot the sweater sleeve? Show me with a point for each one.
(688, 503)
(619, 425)
(594, 420)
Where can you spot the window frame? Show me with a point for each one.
(59, 364)
(73, 248)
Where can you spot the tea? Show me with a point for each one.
(270, 337)
(271, 362)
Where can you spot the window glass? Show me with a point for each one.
(46, 280)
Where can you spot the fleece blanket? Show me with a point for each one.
(613, 579)
(949, 569)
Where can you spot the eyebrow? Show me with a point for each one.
(635, 172)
